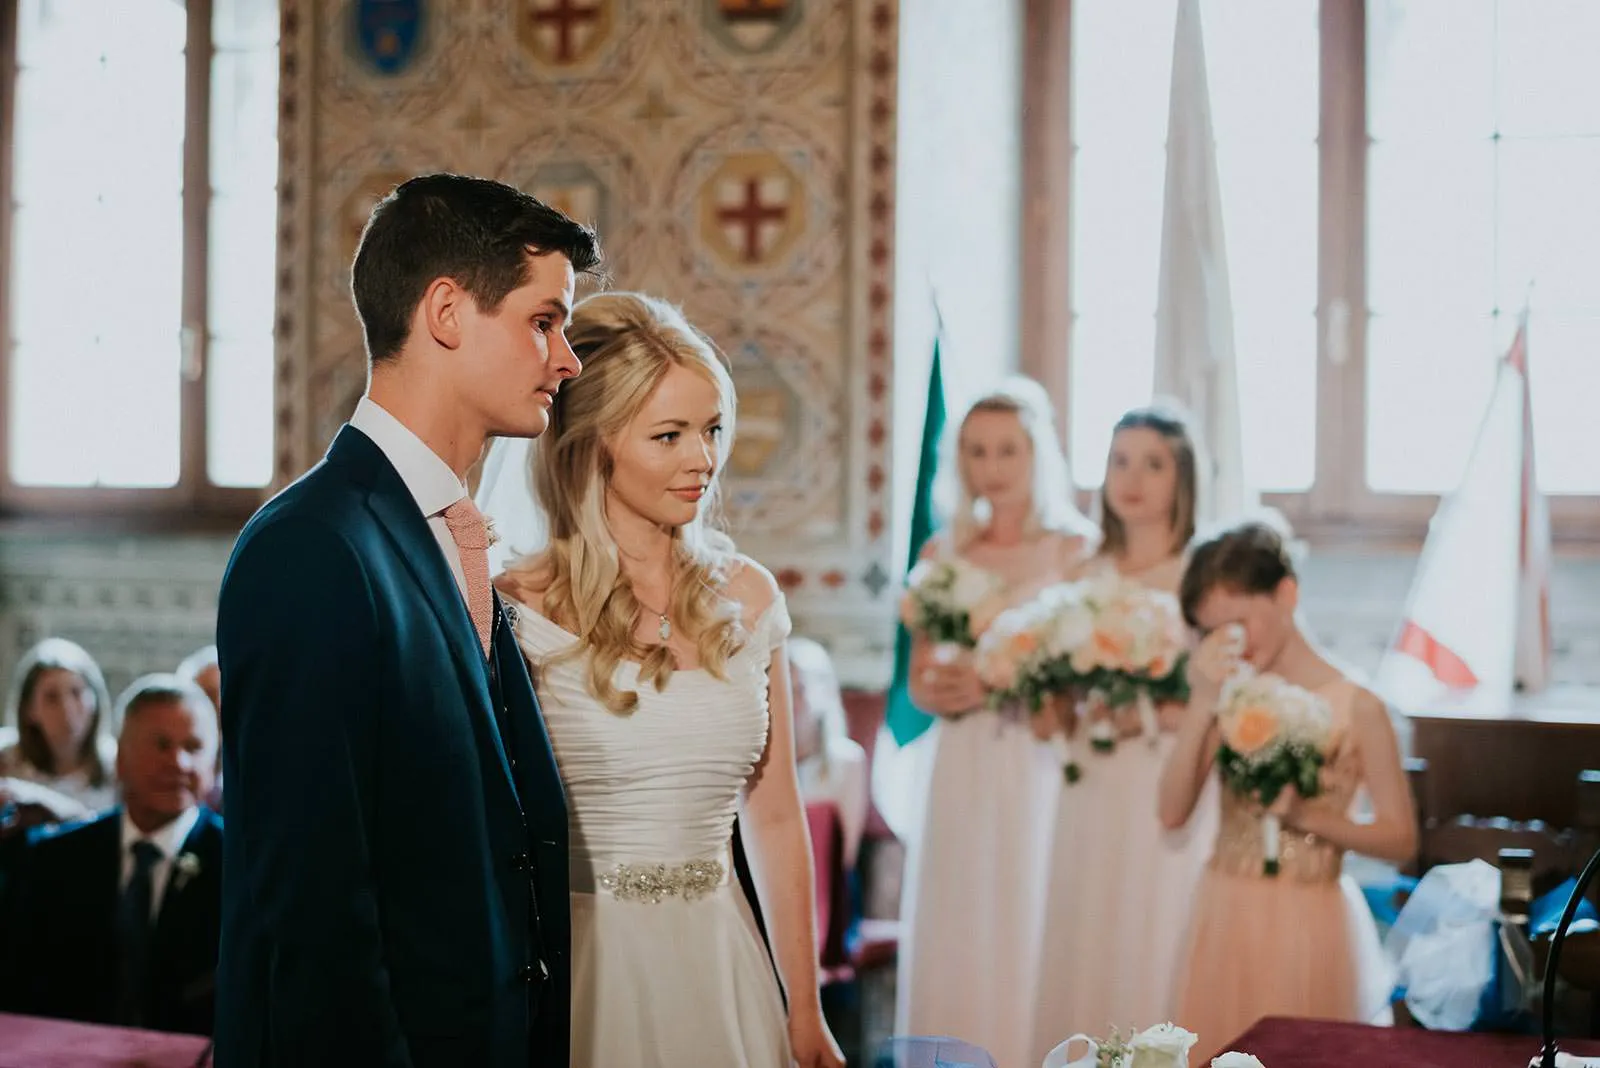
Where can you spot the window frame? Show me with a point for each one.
(1339, 509)
(194, 503)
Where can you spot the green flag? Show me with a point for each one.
(906, 721)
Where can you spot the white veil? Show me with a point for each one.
(505, 495)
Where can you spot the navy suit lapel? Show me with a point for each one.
(397, 514)
(201, 863)
(408, 530)
(535, 755)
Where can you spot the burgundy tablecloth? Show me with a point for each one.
(1283, 1042)
(30, 1042)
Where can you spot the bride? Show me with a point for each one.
(658, 654)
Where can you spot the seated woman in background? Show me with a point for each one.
(831, 765)
(56, 748)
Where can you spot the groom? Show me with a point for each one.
(395, 864)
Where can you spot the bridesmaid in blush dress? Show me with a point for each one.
(1302, 943)
(1119, 885)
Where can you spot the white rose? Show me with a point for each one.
(1162, 1046)
(1236, 1060)
(1072, 629)
(971, 586)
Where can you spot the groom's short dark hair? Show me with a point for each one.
(473, 230)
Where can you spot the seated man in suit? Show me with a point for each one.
(117, 919)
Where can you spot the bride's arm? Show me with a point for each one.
(780, 848)
(781, 842)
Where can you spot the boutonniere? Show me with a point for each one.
(186, 867)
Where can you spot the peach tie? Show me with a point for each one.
(471, 533)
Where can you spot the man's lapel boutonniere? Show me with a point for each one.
(186, 867)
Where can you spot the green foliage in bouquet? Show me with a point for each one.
(1119, 688)
(938, 627)
(1264, 778)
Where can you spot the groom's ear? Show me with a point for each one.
(442, 312)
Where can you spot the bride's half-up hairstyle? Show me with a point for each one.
(628, 343)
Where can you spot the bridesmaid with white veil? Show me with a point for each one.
(658, 654)
(975, 873)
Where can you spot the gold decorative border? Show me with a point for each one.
(296, 203)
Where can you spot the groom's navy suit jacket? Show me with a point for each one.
(395, 868)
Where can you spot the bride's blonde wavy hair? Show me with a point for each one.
(628, 342)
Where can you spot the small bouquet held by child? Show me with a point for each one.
(1112, 642)
(1275, 737)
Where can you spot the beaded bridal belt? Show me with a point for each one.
(654, 883)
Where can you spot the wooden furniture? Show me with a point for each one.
(1521, 766)
(1534, 857)
(1452, 831)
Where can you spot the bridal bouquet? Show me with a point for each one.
(950, 602)
(1275, 737)
(1023, 656)
(1134, 654)
(1114, 641)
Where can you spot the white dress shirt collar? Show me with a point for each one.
(432, 483)
(168, 839)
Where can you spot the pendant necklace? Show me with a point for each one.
(665, 631)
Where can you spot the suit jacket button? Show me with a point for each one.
(529, 973)
(520, 862)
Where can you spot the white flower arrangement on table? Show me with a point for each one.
(1162, 1046)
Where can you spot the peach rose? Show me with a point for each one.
(1250, 729)
(1110, 648)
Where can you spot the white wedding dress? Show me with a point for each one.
(668, 968)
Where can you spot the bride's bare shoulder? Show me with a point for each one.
(751, 585)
